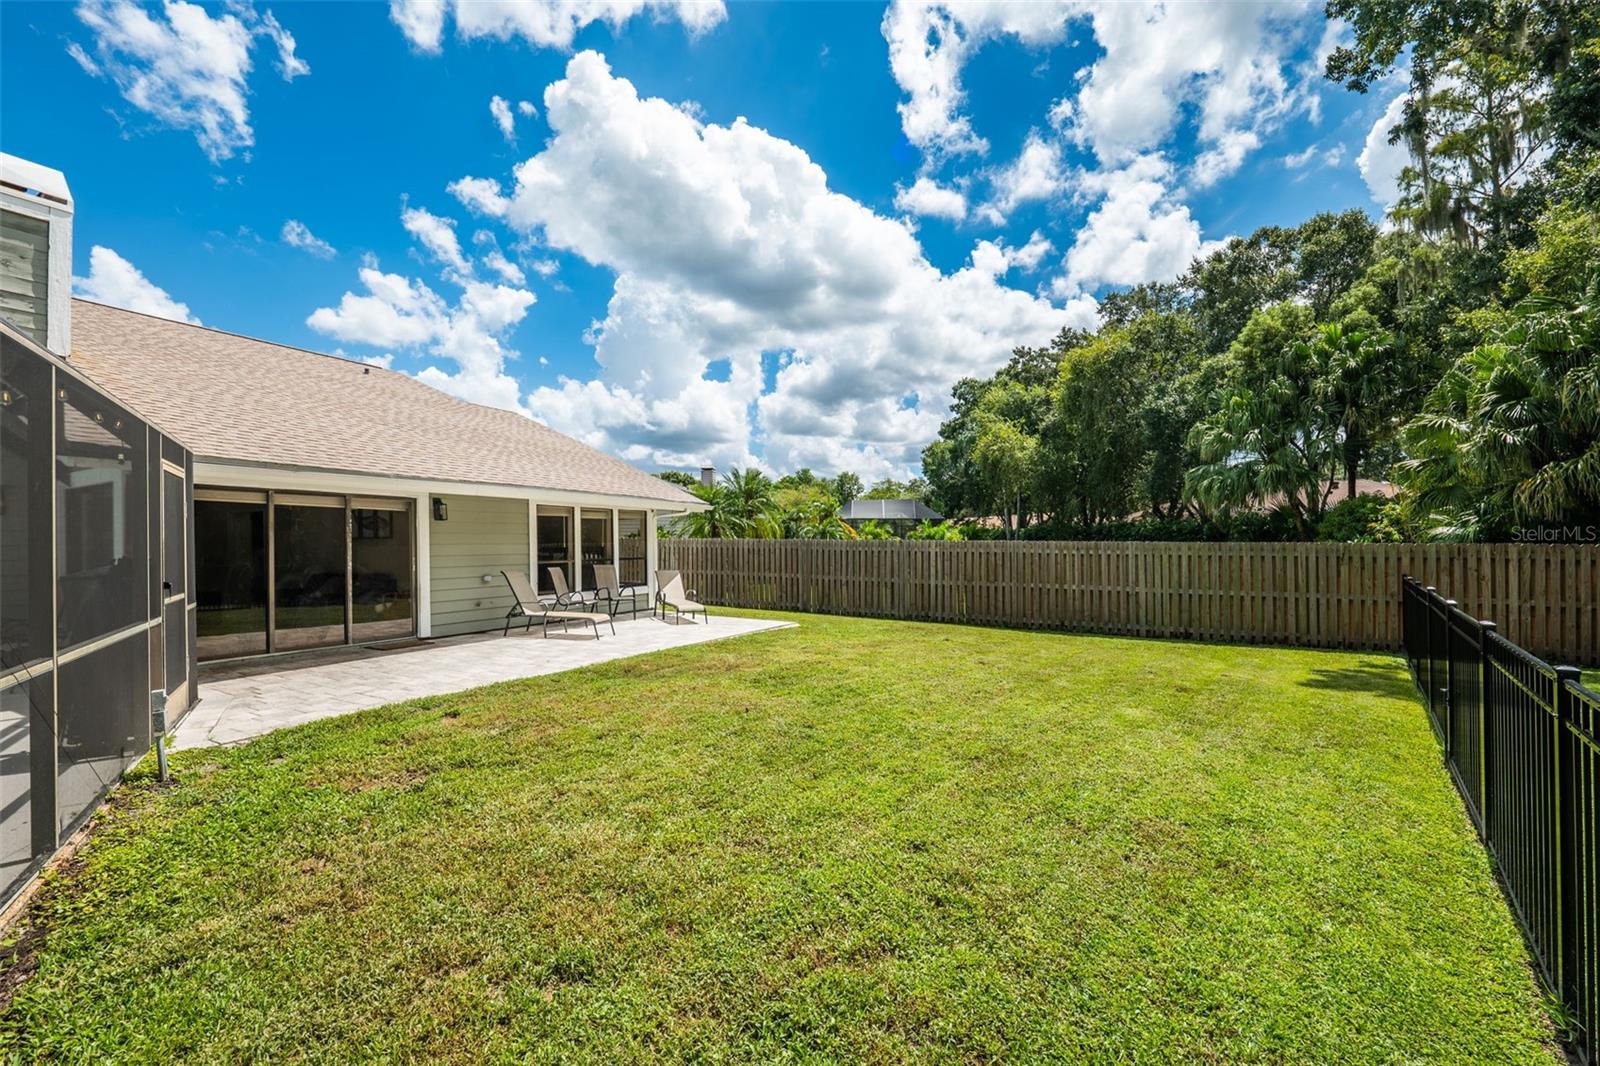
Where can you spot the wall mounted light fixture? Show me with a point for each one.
(441, 513)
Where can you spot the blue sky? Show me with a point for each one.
(694, 233)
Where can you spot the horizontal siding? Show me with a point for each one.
(482, 536)
(24, 255)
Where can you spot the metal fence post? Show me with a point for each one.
(1485, 670)
(1432, 646)
(1565, 804)
(1450, 745)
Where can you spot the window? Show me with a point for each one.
(554, 530)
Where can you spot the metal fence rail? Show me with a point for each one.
(1519, 738)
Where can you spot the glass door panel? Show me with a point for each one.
(554, 528)
(231, 575)
(381, 561)
(631, 554)
(309, 572)
(596, 542)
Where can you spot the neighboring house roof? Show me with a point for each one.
(229, 398)
(890, 511)
(1335, 490)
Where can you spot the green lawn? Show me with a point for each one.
(854, 840)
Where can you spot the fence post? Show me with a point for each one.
(1567, 869)
(1450, 684)
(1432, 647)
(1485, 670)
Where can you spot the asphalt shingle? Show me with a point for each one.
(237, 399)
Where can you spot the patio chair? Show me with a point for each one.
(611, 593)
(565, 597)
(527, 604)
(672, 596)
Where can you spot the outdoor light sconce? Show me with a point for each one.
(441, 513)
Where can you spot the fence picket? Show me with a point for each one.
(1327, 596)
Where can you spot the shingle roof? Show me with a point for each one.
(890, 510)
(236, 399)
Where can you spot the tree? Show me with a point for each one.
(1006, 455)
(720, 519)
(1473, 136)
(1358, 380)
(890, 489)
(749, 495)
(846, 487)
(872, 529)
(955, 484)
(927, 530)
(679, 478)
(1272, 440)
(1512, 432)
(1314, 261)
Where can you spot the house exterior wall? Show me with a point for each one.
(481, 536)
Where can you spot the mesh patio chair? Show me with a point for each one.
(527, 604)
(612, 594)
(672, 596)
(565, 597)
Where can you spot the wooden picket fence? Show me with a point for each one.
(1545, 598)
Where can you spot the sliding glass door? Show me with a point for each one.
(230, 533)
(381, 559)
(285, 571)
(309, 571)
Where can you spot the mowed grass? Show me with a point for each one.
(849, 841)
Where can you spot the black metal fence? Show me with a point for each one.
(1519, 737)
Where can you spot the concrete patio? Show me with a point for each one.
(249, 698)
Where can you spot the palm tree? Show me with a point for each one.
(1358, 379)
(720, 519)
(749, 493)
(1512, 432)
(1274, 441)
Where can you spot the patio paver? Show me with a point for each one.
(246, 700)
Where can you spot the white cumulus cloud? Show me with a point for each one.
(500, 108)
(1037, 174)
(730, 248)
(438, 236)
(1380, 162)
(542, 23)
(927, 197)
(404, 313)
(186, 67)
(1137, 233)
(113, 280)
(297, 235)
(929, 43)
